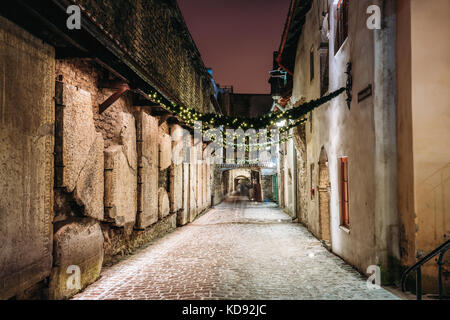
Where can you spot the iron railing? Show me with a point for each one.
(441, 250)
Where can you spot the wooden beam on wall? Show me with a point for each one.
(120, 91)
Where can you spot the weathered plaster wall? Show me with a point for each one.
(405, 189)
(305, 90)
(387, 230)
(351, 134)
(26, 159)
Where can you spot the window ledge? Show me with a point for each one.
(345, 229)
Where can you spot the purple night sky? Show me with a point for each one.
(236, 38)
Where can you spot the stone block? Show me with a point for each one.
(148, 171)
(176, 133)
(163, 203)
(208, 184)
(205, 185)
(78, 249)
(176, 188)
(192, 187)
(199, 189)
(128, 139)
(165, 151)
(79, 150)
(183, 214)
(176, 171)
(89, 190)
(78, 134)
(120, 188)
(27, 88)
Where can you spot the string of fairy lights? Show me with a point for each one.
(209, 121)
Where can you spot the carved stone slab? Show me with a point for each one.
(128, 139)
(176, 171)
(183, 215)
(199, 191)
(163, 203)
(165, 151)
(148, 171)
(78, 248)
(192, 185)
(208, 184)
(26, 158)
(205, 185)
(78, 134)
(79, 150)
(120, 188)
(89, 190)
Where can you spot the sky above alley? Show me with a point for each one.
(236, 38)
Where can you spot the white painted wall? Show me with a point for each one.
(345, 132)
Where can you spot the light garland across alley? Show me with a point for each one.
(211, 120)
(292, 116)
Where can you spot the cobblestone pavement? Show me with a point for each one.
(238, 250)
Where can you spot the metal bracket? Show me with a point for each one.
(121, 89)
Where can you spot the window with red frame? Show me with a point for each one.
(345, 217)
(341, 24)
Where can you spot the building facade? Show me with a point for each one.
(369, 178)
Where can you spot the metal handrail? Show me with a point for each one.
(417, 267)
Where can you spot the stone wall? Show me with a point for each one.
(80, 188)
(115, 175)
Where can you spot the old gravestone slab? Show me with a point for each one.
(176, 171)
(120, 188)
(199, 191)
(128, 139)
(165, 151)
(208, 183)
(89, 189)
(183, 216)
(192, 185)
(121, 175)
(26, 159)
(205, 185)
(78, 249)
(79, 151)
(148, 170)
(163, 203)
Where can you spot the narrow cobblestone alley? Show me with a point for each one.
(238, 250)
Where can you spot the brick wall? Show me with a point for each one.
(154, 35)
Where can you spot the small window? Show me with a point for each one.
(312, 181)
(341, 24)
(311, 64)
(345, 218)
